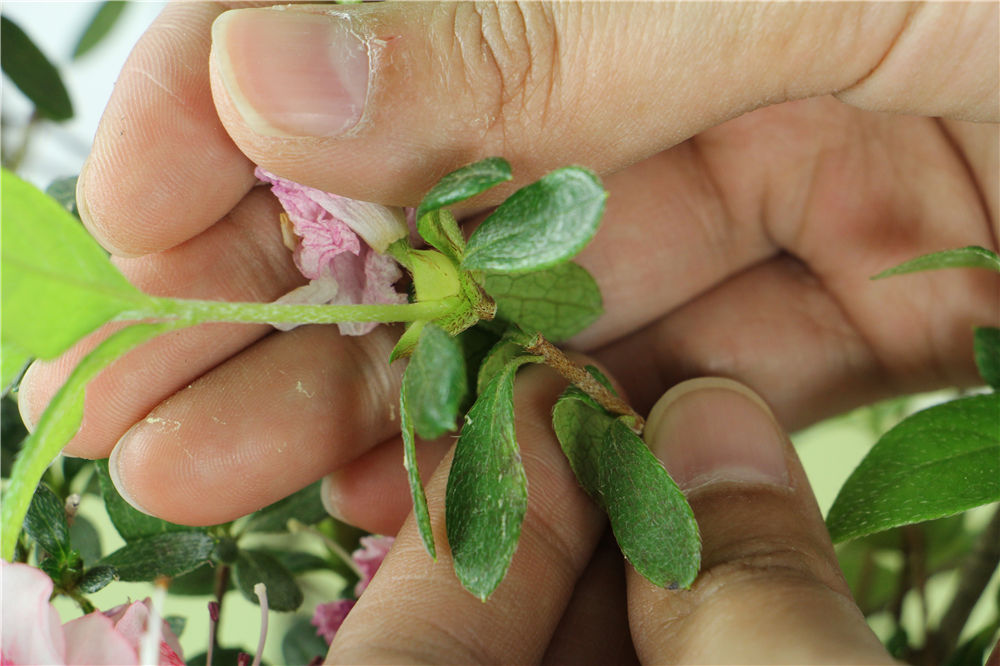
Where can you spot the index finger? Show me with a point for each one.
(162, 168)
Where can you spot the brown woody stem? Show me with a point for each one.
(558, 361)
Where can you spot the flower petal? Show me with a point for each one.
(369, 558)
(328, 617)
(31, 629)
(92, 639)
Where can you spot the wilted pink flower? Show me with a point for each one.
(32, 633)
(328, 617)
(342, 270)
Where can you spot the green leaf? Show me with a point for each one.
(487, 491)
(97, 578)
(440, 230)
(177, 624)
(85, 538)
(63, 190)
(131, 523)
(435, 382)
(59, 422)
(420, 509)
(541, 225)
(651, 519)
(254, 566)
(937, 462)
(297, 561)
(100, 25)
(197, 582)
(13, 363)
(57, 283)
(301, 644)
(463, 184)
(46, 522)
(499, 356)
(305, 506)
(557, 302)
(169, 554)
(220, 655)
(986, 344)
(972, 256)
(12, 434)
(32, 73)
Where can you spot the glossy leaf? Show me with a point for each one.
(966, 257)
(298, 561)
(169, 554)
(465, 183)
(59, 422)
(46, 522)
(100, 25)
(97, 578)
(57, 283)
(130, 522)
(305, 506)
(540, 225)
(254, 566)
(197, 582)
(33, 73)
(435, 382)
(417, 494)
(487, 491)
(557, 302)
(937, 462)
(86, 539)
(986, 344)
(650, 517)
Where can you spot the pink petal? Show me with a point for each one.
(31, 629)
(328, 617)
(92, 639)
(130, 622)
(369, 558)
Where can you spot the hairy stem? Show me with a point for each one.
(198, 312)
(557, 360)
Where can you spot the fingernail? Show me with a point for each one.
(714, 430)
(114, 470)
(328, 496)
(292, 73)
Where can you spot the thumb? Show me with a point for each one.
(378, 100)
(770, 590)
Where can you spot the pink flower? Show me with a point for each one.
(328, 617)
(32, 633)
(342, 270)
(369, 558)
(130, 621)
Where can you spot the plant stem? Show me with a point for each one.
(198, 312)
(975, 573)
(558, 361)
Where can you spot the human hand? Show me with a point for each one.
(743, 251)
(770, 590)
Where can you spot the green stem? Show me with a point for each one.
(198, 312)
(58, 424)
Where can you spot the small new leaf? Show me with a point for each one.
(937, 462)
(650, 517)
(97, 578)
(440, 230)
(463, 184)
(46, 523)
(487, 491)
(972, 256)
(986, 345)
(540, 225)
(557, 302)
(255, 566)
(168, 554)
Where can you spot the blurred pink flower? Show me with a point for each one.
(342, 270)
(32, 633)
(328, 617)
